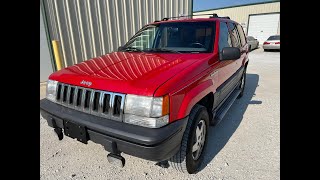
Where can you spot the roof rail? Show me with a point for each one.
(213, 15)
(226, 17)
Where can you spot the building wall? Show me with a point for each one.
(240, 14)
(45, 59)
(278, 32)
(89, 28)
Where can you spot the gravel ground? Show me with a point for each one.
(245, 145)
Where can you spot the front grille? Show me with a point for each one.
(100, 103)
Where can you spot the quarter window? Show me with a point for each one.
(234, 35)
(224, 38)
(242, 36)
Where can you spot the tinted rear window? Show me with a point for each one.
(274, 38)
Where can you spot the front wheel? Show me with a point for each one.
(190, 155)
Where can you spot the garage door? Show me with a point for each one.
(264, 25)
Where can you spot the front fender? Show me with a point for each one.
(188, 97)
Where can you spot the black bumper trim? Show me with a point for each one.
(152, 144)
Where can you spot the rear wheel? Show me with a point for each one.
(190, 155)
(242, 83)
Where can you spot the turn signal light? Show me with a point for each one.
(165, 105)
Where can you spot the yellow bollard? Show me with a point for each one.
(56, 52)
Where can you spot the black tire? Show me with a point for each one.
(242, 83)
(184, 160)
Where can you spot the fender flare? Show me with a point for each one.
(194, 96)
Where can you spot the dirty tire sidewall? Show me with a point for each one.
(182, 160)
(193, 165)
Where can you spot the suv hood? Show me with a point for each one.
(125, 72)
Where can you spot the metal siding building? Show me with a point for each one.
(90, 28)
(46, 67)
(241, 13)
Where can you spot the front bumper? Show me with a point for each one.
(147, 143)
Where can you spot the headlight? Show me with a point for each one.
(52, 90)
(147, 106)
(147, 111)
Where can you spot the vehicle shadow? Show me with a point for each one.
(220, 134)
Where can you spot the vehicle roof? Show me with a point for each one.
(195, 20)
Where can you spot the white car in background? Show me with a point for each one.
(272, 43)
(253, 42)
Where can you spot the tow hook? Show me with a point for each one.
(116, 159)
(163, 164)
(59, 133)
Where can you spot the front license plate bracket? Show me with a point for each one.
(76, 131)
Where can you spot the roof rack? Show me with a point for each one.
(213, 15)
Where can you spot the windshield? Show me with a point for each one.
(274, 38)
(176, 37)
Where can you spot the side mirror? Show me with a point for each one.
(229, 53)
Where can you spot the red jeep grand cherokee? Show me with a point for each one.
(157, 95)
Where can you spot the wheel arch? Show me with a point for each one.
(201, 94)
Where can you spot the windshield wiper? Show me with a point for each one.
(162, 50)
(131, 49)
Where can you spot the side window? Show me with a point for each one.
(224, 37)
(234, 35)
(242, 36)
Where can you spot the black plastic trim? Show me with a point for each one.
(129, 132)
(153, 144)
(225, 89)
